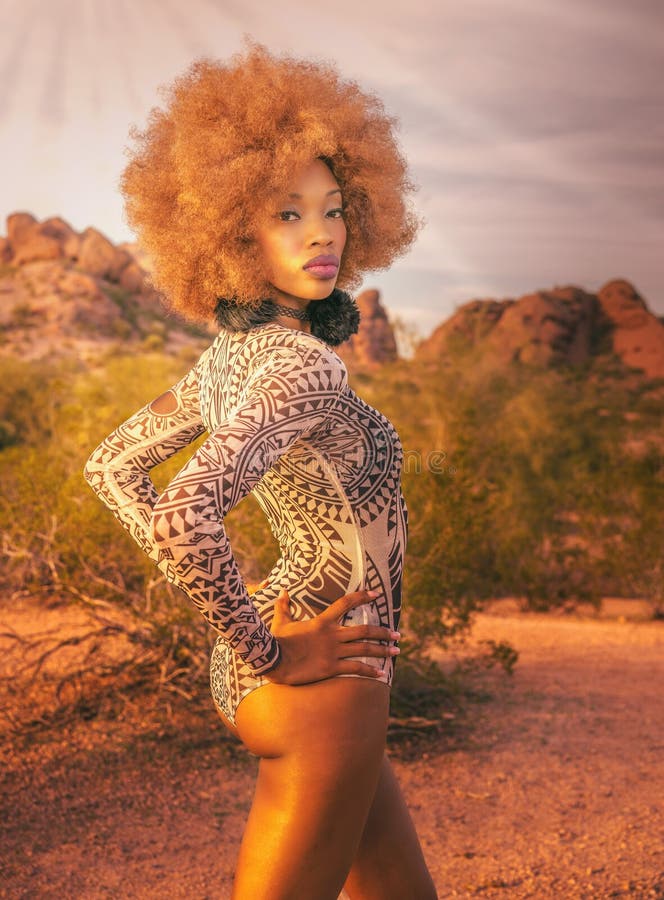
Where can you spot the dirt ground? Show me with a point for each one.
(552, 786)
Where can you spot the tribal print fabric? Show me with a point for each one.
(324, 466)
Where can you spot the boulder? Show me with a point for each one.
(638, 334)
(374, 344)
(545, 328)
(69, 240)
(30, 245)
(132, 277)
(57, 228)
(28, 242)
(18, 222)
(99, 256)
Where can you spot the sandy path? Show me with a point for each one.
(561, 792)
(555, 789)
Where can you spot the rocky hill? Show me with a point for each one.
(561, 325)
(69, 293)
(65, 293)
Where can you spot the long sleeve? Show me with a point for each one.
(286, 397)
(118, 470)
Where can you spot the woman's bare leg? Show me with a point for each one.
(389, 864)
(321, 747)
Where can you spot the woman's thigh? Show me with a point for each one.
(321, 747)
(389, 863)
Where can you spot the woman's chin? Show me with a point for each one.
(319, 291)
(324, 289)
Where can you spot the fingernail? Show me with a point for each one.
(395, 635)
(374, 593)
(394, 650)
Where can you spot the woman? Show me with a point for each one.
(265, 187)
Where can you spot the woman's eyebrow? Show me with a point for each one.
(299, 196)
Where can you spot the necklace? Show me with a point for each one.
(333, 319)
(302, 314)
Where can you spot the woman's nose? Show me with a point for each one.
(321, 232)
(321, 236)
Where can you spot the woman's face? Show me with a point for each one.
(302, 224)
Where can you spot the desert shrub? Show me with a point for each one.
(532, 480)
(152, 342)
(517, 483)
(30, 398)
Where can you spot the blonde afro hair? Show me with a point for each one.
(232, 133)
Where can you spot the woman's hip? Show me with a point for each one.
(336, 713)
(282, 708)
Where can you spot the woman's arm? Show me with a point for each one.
(118, 470)
(288, 396)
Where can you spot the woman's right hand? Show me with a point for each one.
(317, 648)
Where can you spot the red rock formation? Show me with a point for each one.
(638, 335)
(546, 327)
(564, 324)
(60, 289)
(99, 256)
(374, 344)
(27, 241)
(62, 292)
(62, 231)
(31, 241)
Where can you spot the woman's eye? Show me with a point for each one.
(335, 213)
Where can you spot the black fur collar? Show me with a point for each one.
(333, 319)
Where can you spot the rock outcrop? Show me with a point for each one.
(29, 240)
(64, 292)
(374, 344)
(638, 335)
(561, 325)
(69, 293)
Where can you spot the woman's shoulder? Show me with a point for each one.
(263, 348)
(272, 340)
(314, 352)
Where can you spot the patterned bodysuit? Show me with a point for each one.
(324, 466)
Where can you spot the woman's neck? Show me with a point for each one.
(295, 321)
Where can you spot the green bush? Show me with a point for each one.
(532, 491)
(534, 483)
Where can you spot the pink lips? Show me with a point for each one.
(323, 266)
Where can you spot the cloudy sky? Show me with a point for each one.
(535, 128)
